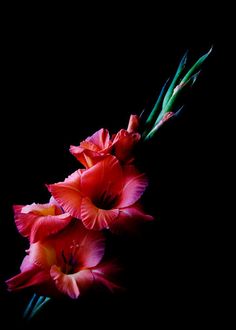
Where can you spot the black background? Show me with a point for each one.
(65, 77)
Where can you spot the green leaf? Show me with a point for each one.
(155, 110)
(175, 79)
(176, 93)
(196, 67)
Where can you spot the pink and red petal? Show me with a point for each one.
(104, 176)
(45, 226)
(68, 193)
(28, 278)
(65, 283)
(134, 185)
(84, 279)
(129, 218)
(43, 254)
(91, 249)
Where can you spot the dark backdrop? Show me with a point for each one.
(63, 80)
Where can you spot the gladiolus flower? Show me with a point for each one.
(65, 263)
(102, 196)
(37, 221)
(98, 146)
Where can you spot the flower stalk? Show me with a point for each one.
(165, 106)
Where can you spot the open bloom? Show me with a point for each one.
(99, 145)
(103, 196)
(65, 263)
(37, 221)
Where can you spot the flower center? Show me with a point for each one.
(70, 262)
(105, 201)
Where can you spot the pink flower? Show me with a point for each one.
(93, 149)
(99, 145)
(37, 221)
(103, 196)
(65, 263)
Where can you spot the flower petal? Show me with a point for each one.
(129, 218)
(26, 264)
(31, 277)
(77, 151)
(39, 227)
(65, 283)
(84, 279)
(93, 149)
(68, 193)
(102, 275)
(104, 176)
(101, 139)
(45, 226)
(95, 218)
(91, 249)
(133, 124)
(135, 184)
(42, 254)
(124, 144)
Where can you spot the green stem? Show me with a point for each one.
(38, 307)
(34, 306)
(29, 306)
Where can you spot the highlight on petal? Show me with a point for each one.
(91, 249)
(134, 185)
(65, 283)
(84, 279)
(100, 140)
(43, 254)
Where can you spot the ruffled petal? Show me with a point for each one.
(68, 193)
(134, 186)
(39, 227)
(45, 226)
(95, 218)
(65, 283)
(23, 221)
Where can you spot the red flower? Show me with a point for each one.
(99, 145)
(37, 221)
(65, 263)
(103, 196)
